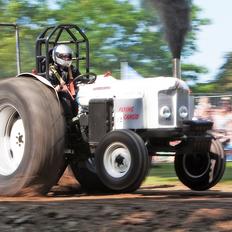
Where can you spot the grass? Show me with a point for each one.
(164, 173)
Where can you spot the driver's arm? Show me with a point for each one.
(55, 82)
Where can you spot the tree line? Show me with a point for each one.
(117, 30)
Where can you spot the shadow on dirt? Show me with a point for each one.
(164, 192)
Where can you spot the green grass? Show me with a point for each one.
(164, 173)
(227, 177)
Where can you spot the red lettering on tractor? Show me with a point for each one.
(131, 116)
(126, 109)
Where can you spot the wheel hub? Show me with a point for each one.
(120, 160)
(20, 139)
(12, 140)
(117, 160)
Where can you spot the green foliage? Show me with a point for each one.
(25, 15)
(204, 88)
(7, 61)
(191, 71)
(223, 81)
(117, 32)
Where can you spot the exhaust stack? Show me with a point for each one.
(175, 15)
(176, 68)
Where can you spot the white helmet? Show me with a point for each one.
(62, 55)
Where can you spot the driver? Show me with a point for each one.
(61, 75)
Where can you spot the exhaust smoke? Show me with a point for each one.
(175, 15)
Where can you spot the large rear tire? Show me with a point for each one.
(201, 171)
(32, 132)
(122, 161)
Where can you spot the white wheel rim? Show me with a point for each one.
(12, 140)
(117, 160)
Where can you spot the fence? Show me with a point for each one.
(217, 108)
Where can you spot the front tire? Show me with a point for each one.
(201, 171)
(32, 133)
(122, 161)
(85, 173)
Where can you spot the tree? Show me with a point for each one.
(223, 82)
(117, 32)
(28, 16)
(192, 20)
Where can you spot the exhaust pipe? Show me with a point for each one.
(176, 68)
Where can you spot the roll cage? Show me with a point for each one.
(68, 34)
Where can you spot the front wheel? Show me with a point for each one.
(85, 173)
(122, 161)
(201, 171)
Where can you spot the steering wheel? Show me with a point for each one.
(86, 78)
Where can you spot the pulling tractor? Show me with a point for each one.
(119, 126)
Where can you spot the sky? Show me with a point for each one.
(214, 40)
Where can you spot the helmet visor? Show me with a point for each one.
(64, 56)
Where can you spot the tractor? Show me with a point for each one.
(120, 125)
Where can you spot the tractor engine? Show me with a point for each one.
(150, 104)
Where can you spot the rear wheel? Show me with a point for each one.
(31, 137)
(122, 161)
(201, 171)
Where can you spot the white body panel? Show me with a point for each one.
(136, 104)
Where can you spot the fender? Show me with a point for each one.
(41, 79)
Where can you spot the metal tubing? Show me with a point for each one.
(17, 49)
(176, 68)
(17, 43)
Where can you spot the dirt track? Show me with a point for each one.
(154, 208)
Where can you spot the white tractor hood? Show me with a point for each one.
(109, 87)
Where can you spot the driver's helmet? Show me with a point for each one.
(62, 55)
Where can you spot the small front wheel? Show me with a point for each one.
(201, 171)
(85, 173)
(122, 161)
